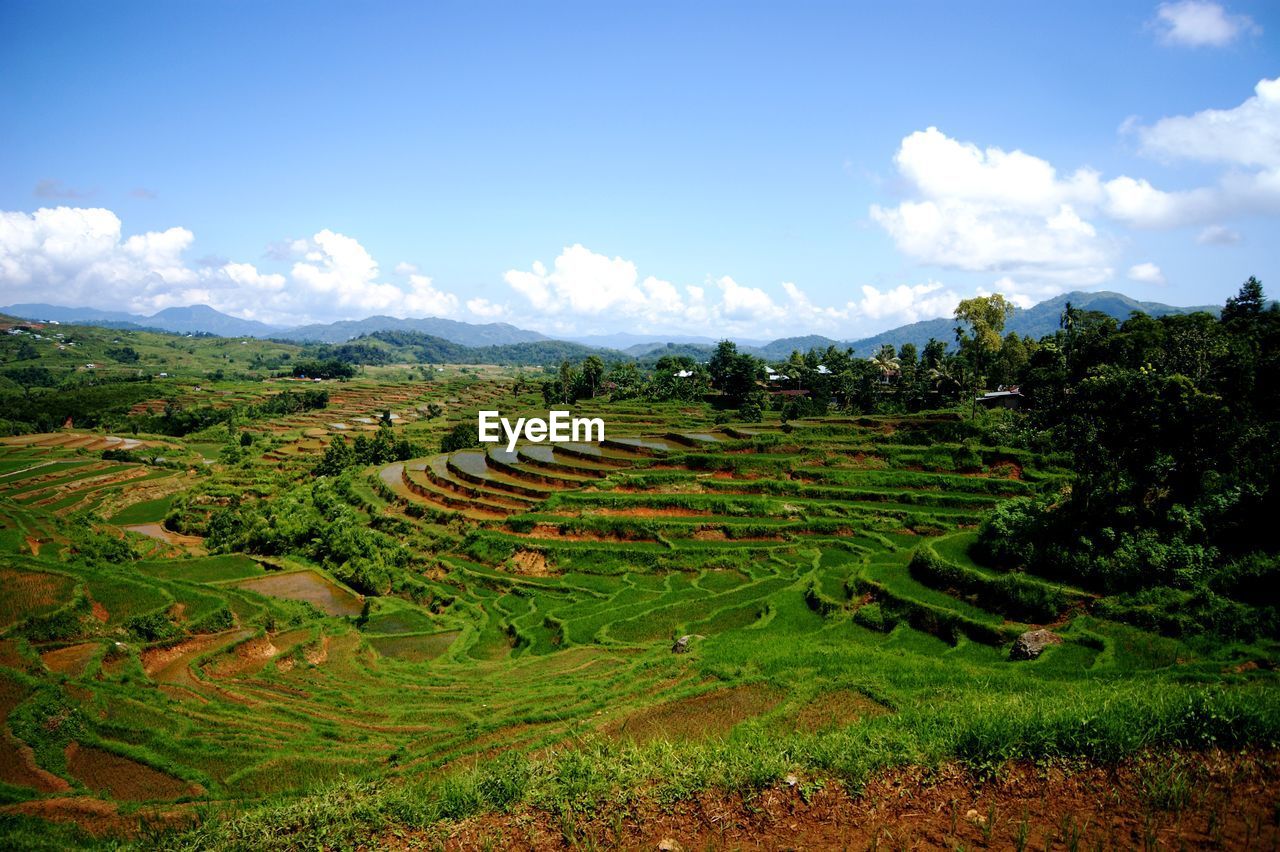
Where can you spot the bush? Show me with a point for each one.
(460, 437)
(1010, 594)
(1006, 538)
(873, 617)
(154, 627)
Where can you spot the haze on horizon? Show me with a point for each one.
(757, 170)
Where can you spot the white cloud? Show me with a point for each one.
(1218, 235)
(906, 302)
(1196, 23)
(80, 256)
(961, 234)
(582, 282)
(555, 301)
(1015, 215)
(486, 309)
(1246, 135)
(943, 168)
(991, 210)
(1146, 273)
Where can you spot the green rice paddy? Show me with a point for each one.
(827, 560)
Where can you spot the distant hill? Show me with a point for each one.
(781, 349)
(638, 343)
(468, 334)
(1036, 321)
(188, 320)
(202, 318)
(415, 347)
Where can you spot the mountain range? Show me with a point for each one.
(1035, 321)
(202, 318)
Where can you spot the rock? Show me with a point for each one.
(1031, 644)
(974, 817)
(667, 844)
(682, 645)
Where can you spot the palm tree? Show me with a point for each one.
(887, 362)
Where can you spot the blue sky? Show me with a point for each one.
(755, 168)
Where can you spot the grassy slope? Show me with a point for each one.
(552, 628)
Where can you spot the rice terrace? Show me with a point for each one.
(665, 426)
(254, 609)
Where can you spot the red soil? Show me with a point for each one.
(17, 762)
(99, 818)
(71, 660)
(122, 778)
(709, 714)
(650, 512)
(1231, 805)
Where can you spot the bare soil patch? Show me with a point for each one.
(531, 563)
(172, 665)
(101, 818)
(652, 512)
(122, 778)
(836, 709)
(1231, 807)
(160, 533)
(71, 660)
(710, 714)
(17, 762)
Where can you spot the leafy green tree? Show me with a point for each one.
(734, 373)
(886, 361)
(592, 375)
(460, 437)
(1246, 304)
(30, 377)
(980, 321)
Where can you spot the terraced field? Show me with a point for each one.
(821, 573)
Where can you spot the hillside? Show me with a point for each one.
(1035, 322)
(202, 318)
(467, 334)
(235, 606)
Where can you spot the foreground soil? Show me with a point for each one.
(1216, 800)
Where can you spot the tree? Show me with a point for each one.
(30, 377)
(592, 372)
(980, 321)
(1247, 303)
(460, 437)
(886, 361)
(734, 373)
(934, 351)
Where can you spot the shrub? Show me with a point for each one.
(873, 617)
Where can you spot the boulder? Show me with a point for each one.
(681, 645)
(1031, 644)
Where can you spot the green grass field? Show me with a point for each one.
(523, 650)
